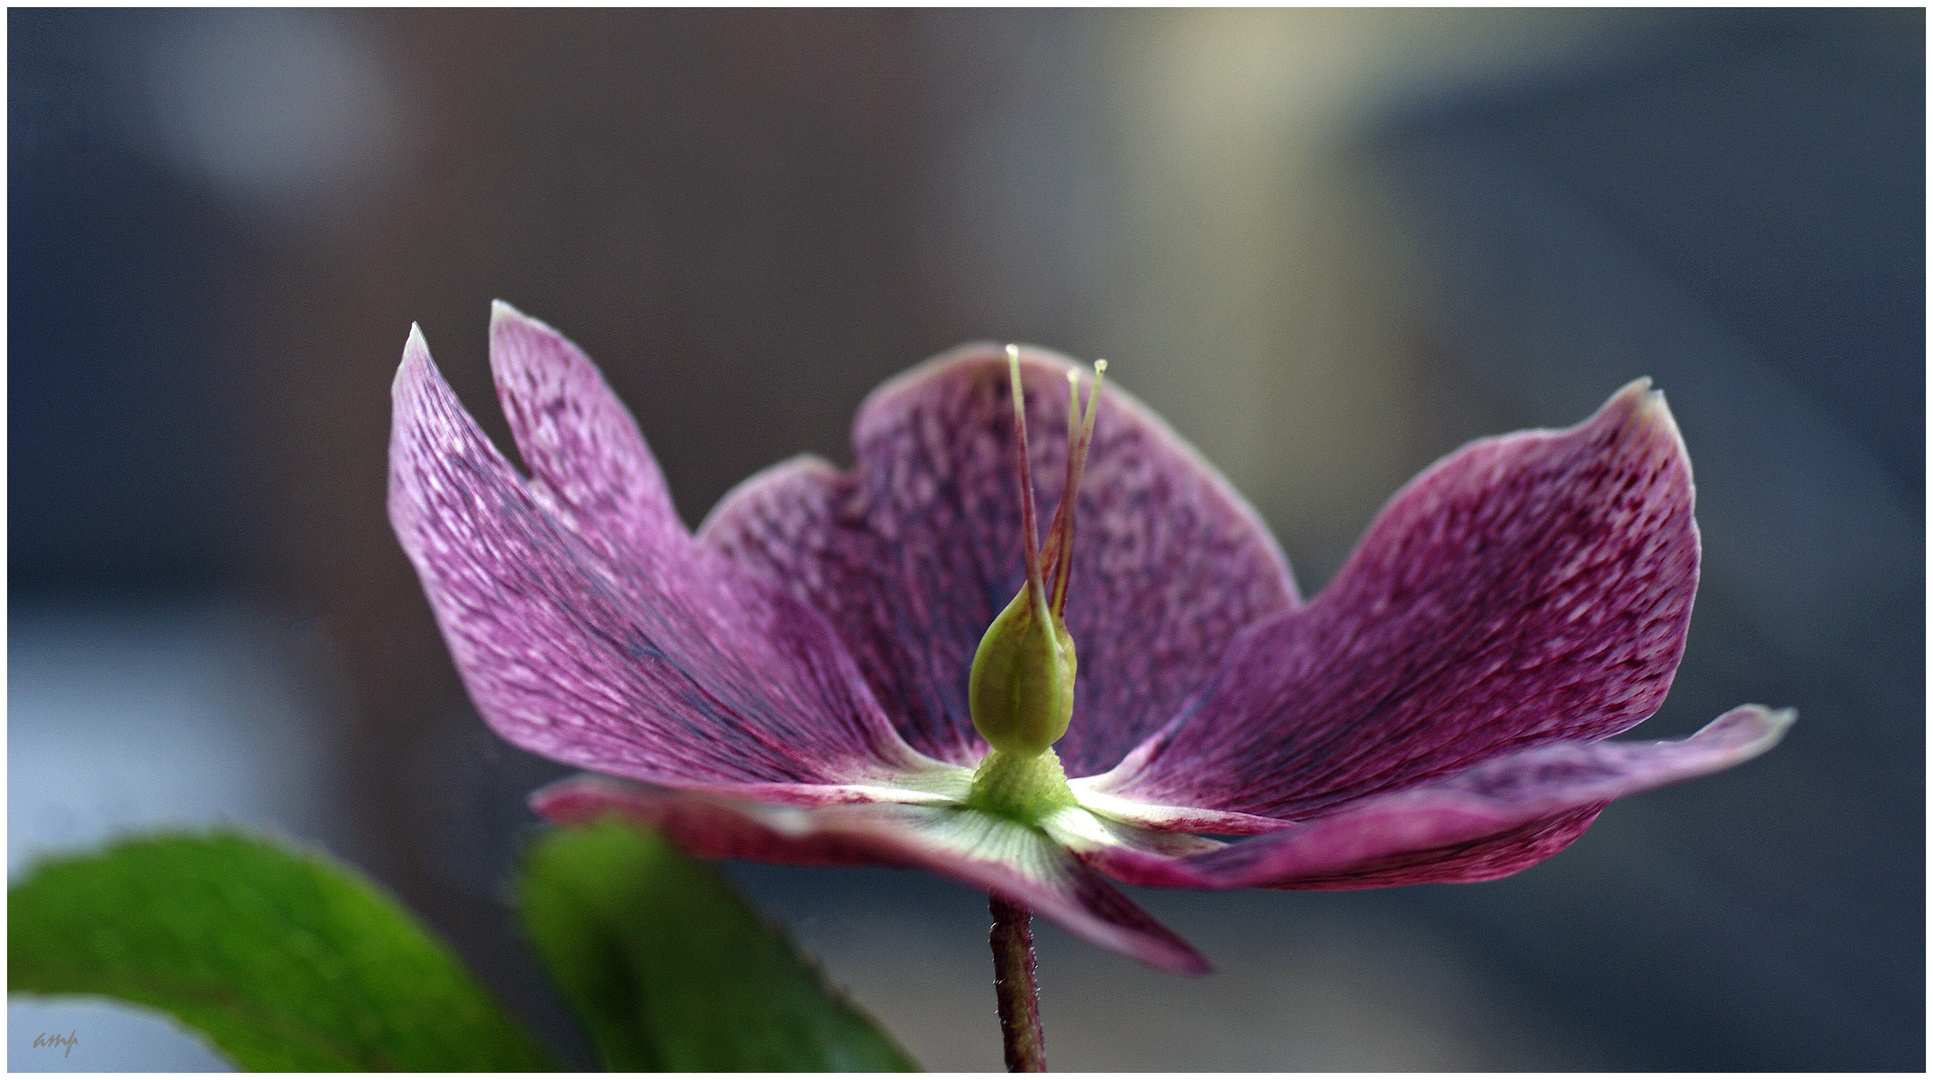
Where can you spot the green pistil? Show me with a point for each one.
(1020, 690)
(1026, 788)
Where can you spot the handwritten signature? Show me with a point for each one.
(69, 1040)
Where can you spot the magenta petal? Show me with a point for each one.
(985, 852)
(588, 462)
(670, 665)
(1484, 822)
(1525, 589)
(913, 553)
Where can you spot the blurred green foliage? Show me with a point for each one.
(283, 960)
(671, 969)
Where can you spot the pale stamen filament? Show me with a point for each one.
(1036, 586)
(1060, 545)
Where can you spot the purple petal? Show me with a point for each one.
(588, 463)
(670, 665)
(913, 553)
(986, 852)
(1485, 822)
(1525, 589)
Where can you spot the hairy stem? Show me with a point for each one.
(1013, 985)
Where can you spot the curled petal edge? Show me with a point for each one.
(1532, 802)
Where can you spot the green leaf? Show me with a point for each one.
(285, 961)
(672, 971)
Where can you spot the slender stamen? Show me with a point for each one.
(1073, 408)
(1020, 690)
(1055, 552)
(1036, 586)
(1061, 544)
(1065, 508)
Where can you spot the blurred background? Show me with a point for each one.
(1329, 246)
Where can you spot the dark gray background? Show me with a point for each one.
(1328, 246)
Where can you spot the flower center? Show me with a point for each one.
(1022, 786)
(1021, 689)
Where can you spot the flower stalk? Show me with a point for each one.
(1015, 992)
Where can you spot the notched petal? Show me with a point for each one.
(669, 665)
(587, 459)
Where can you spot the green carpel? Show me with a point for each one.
(1023, 787)
(1020, 691)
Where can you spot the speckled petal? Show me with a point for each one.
(588, 462)
(670, 665)
(913, 553)
(985, 852)
(1526, 589)
(1485, 822)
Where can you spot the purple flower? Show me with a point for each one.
(791, 683)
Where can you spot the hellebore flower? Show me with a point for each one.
(791, 684)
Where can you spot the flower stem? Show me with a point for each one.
(1013, 985)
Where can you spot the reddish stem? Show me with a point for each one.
(1013, 985)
